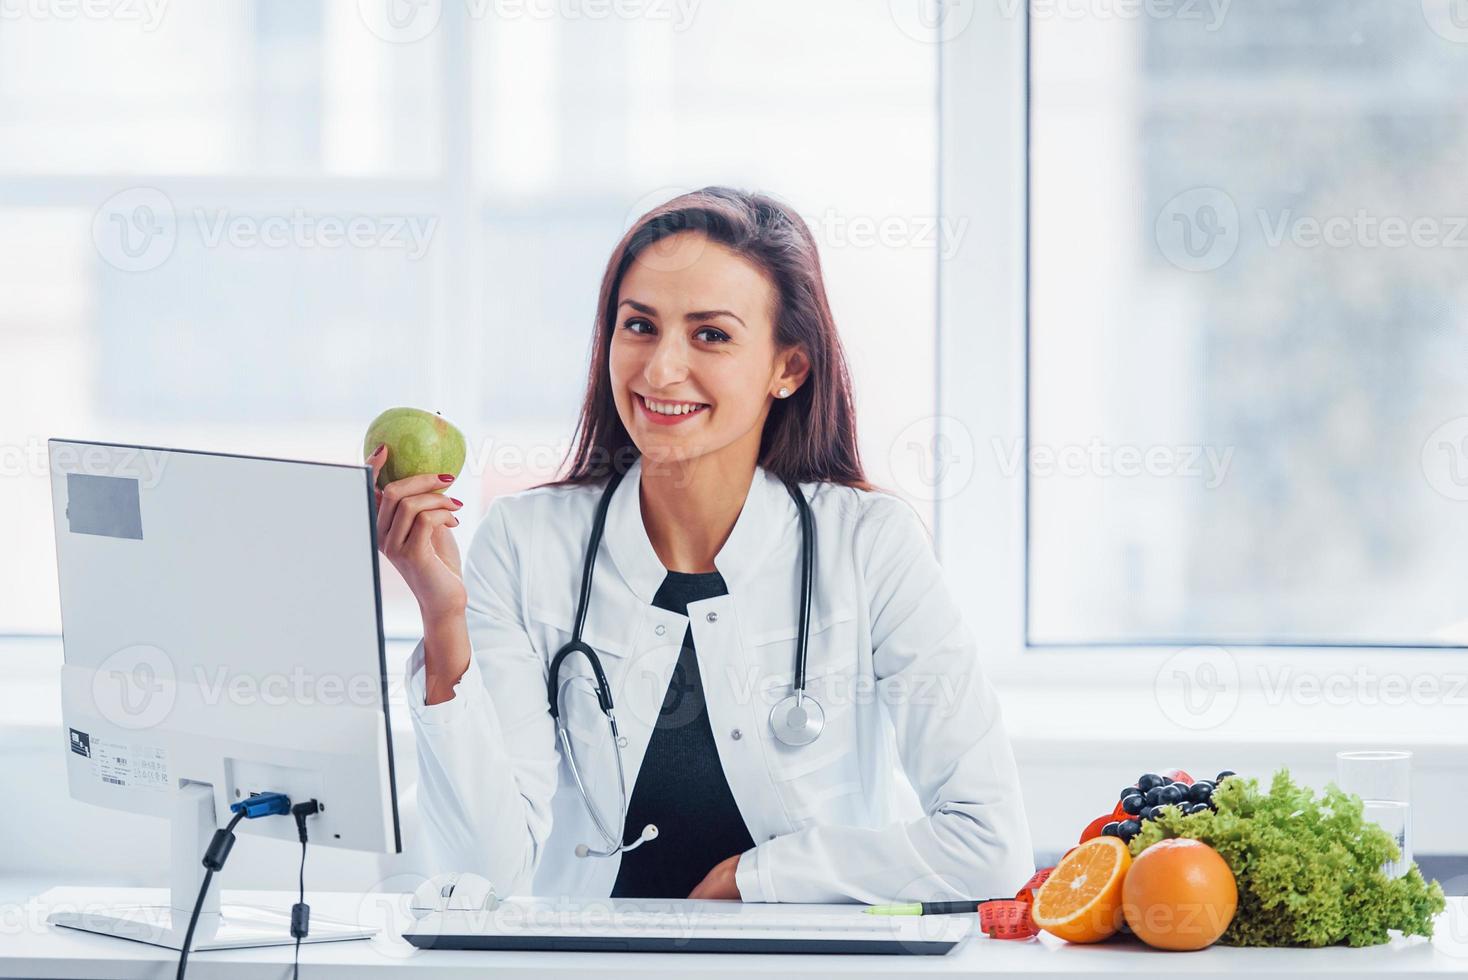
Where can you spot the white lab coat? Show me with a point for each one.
(891, 660)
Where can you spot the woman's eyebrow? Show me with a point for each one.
(710, 314)
(639, 307)
(698, 315)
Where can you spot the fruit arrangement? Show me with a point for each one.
(1145, 799)
(1184, 863)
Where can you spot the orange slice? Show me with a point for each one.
(1081, 900)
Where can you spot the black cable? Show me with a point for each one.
(301, 904)
(213, 860)
(301, 912)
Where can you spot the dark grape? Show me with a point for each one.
(1133, 804)
(1128, 829)
(1110, 829)
(1148, 780)
(1200, 792)
(1153, 796)
(1195, 808)
(1127, 791)
(1172, 793)
(1224, 775)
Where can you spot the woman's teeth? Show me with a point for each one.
(672, 408)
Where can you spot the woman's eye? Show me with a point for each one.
(636, 324)
(711, 335)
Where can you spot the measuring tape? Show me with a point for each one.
(1009, 918)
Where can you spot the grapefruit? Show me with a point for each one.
(1180, 895)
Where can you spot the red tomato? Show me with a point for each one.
(1093, 829)
(1178, 775)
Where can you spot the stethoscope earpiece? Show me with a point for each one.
(796, 720)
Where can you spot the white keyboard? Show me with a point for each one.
(688, 926)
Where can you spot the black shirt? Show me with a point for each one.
(681, 787)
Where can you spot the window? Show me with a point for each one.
(1248, 345)
(251, 226)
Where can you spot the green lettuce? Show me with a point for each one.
(1309, 870)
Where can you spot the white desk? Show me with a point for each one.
(30, 948)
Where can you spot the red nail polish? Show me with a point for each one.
(446, 477)
(379, 449)
(457, 501)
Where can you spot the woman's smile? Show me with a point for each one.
(668, 412)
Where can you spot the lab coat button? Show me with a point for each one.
(736, 734)
(713, 617)
(660, 629)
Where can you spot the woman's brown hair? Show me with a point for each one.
(808, 437)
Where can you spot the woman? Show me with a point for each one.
(717, 384)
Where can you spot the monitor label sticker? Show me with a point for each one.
(133, 766)
(105, 505)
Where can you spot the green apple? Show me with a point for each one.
(417, 442)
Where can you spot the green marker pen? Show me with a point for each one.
(924, 908)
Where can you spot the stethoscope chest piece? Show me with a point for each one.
(797, 720)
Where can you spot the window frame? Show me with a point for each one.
(981, 371)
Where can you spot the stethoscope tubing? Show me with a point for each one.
(614, 842)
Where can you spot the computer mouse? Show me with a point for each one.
(455, 891)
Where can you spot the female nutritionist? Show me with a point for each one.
(742, 766)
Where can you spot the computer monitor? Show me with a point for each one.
(222, 627)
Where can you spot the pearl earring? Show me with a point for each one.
(784, 392)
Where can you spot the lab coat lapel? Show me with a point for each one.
(626, 540)
(738, 560)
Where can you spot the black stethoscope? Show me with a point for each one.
(796, 720)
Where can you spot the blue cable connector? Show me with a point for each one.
(263, 805)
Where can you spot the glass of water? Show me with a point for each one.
(1383, 780)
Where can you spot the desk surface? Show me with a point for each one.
(31, 948)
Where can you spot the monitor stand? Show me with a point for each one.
(219, 927)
